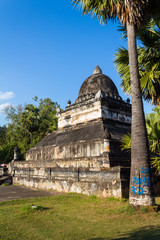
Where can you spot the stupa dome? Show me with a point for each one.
(98, 81)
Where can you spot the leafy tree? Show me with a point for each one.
(6, 153)
(30, 120)
(27, 125)
(148, 59)
(2, 135)
(131, 13)
(47, 110)
(15, 135)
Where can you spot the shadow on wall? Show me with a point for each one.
(146, 233)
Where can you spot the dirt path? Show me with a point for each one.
(19, 192)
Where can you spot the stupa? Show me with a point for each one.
(84, 155)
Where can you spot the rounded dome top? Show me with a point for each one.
(96, 82)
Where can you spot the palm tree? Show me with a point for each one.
(148, 59)
(130, 13)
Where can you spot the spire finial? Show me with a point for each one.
(97, 70)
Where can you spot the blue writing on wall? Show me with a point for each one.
(145, 181)
(141, 181)
(137, 190)
(144, 170)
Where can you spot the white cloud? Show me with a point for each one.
(6, 95)
(3, 106)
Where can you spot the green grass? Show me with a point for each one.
(76, 217)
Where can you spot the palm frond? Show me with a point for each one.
(155, 161)
(122, 65)
(126, 142)
(126, 11)
(149, 64)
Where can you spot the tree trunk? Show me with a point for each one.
(141, 187)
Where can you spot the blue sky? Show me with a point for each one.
(48, 48)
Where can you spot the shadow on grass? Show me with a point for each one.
(145, 233)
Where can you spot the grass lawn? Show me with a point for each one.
(76, 217)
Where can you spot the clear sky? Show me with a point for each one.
(48, 48)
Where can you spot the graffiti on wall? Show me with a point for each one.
(141, 183)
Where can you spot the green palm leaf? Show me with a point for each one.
(149, 63)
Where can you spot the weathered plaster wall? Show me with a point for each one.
(68, 151)
(106, 183)
(95, 108)
(81, 113)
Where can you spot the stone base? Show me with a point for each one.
(110, 182)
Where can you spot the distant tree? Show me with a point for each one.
(27, 125)
(3, 130)
(47, 112)
(30, 120)
(6, 151)
(15, 136)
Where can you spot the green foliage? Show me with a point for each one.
(6, 153)
(2, 134)
(27, 125)
(156, 162)
(126, 142)
(148, 59)
(125, 11)
(153, 130)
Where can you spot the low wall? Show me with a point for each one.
(107, 182)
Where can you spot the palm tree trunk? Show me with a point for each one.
(141, 188)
